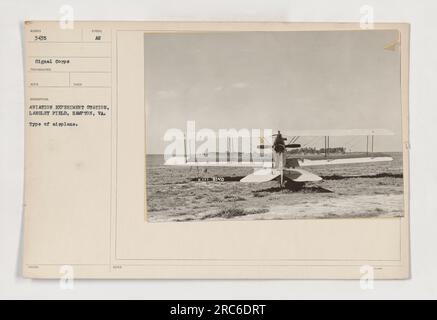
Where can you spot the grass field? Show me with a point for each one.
(346, 191)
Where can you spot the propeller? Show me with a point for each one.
(290, 145)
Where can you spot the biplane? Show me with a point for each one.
(284, 167)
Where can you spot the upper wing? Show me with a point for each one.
(338, 133)
(322, 162)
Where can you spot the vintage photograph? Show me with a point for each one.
(273, 125)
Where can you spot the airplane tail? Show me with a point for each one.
(300, 175)
(266, 175)
(263, 175)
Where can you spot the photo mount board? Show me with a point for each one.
(84, 177)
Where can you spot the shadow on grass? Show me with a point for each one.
(291, 187)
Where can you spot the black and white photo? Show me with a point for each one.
(273, 125)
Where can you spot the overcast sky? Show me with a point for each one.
(277, 80)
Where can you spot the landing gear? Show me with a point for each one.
(291, 185)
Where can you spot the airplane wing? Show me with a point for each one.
(181, 161)
(338, 133)
(263, 175)
(323, 162)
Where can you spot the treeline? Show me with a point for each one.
(309, 150)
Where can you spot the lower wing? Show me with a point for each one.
(181, 161)
(323, 162)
